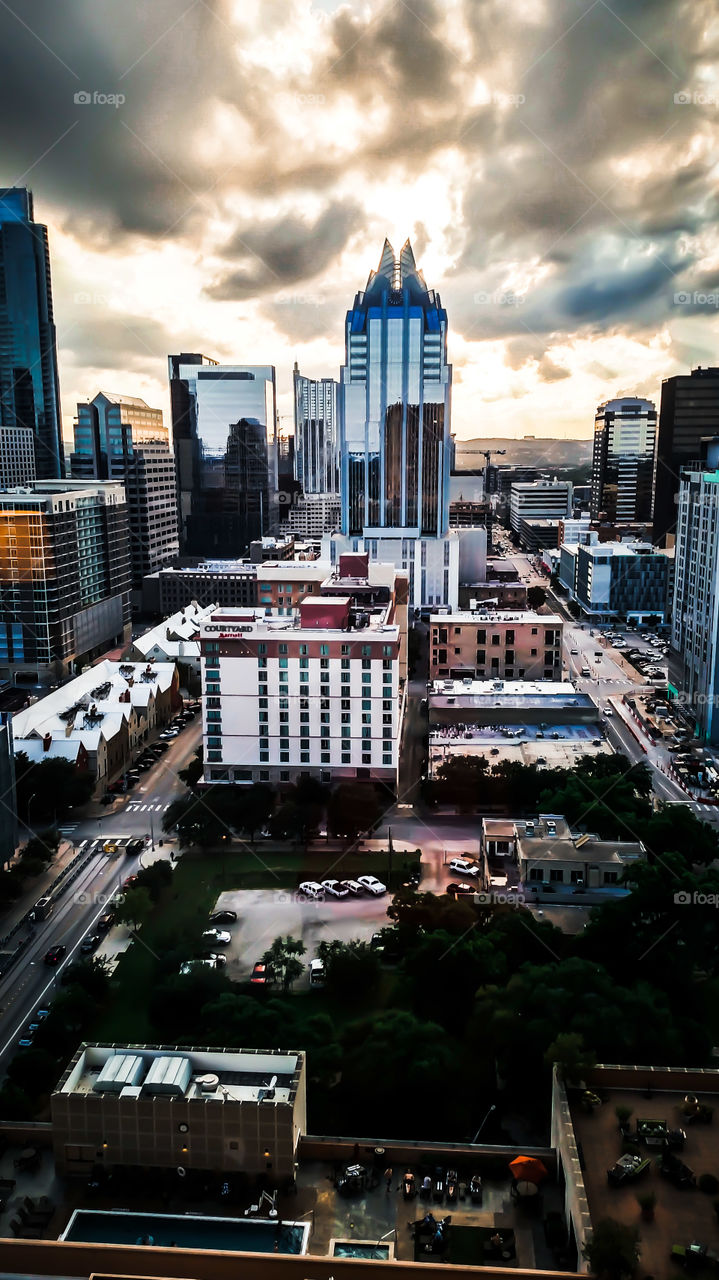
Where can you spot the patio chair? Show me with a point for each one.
(28, 1233)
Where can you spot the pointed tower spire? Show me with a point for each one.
(386, 266)
(407, 264)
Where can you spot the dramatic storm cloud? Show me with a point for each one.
(220, 177)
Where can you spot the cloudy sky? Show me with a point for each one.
(554, 162)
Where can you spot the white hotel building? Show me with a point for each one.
(321, 693)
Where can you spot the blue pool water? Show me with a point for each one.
(240, 1235)
(360, 1249)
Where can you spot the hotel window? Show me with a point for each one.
(346, 757)
(345, 704)
(303, 649)
(324, 650)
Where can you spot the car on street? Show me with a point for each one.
(25, 1042)
(105, 922)
(160, 747)
(129, 881)
(607, 711)
(259, 974)
(218, 959)
(55, 954)
(463, 867)
(335, 889)
(372, 885)
(42, 1014)
(312, 890)
(217, 937)
(574, 652)
(90, 944)
(224, 916)
(353, 887)
(107, 797)
(144, 765)
(317, 973)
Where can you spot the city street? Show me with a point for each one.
(30, 984)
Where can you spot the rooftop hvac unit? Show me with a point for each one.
(207, 1083)
(170, 1075)
(120, 1070)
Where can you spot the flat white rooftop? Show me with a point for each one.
(480, 615)
(210, 1075)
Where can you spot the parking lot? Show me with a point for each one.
(265, 914)
(651, 648)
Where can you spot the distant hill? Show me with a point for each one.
(530, 451)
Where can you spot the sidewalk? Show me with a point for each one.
(37, 888)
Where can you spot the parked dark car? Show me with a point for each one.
(90, 944)
(105, 922)
(55, 954)
(223, 917)
(107, 797)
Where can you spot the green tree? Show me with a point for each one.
(353, 808)
(193, 770)
(352, 969)
(135, 908)
(283, 960)
(571, 1056)
(51, 787)
(613, 1250)
(675, 828)
(155, 878)
(200, 819)
(254, 807)
(15, 1103)
(34, 1070)
(176, 1003)
(536, 597)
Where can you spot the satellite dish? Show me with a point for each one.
(273, 1082)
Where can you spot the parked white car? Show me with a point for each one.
(463, 867)
(372, 885)
(311, 889)
(216, 938)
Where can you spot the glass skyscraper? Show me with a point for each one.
(394, 406)
(224, 428)
(316, 451)
(29, 393)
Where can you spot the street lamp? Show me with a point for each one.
(486, 1118)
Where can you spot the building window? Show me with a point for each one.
(346, 757)
(386, 759)
(557, 875)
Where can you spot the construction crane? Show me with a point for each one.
(487, 455)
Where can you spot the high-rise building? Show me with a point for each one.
(17, 456)
(224, 428)
(688, 413)
(394, 406)
(316, 444)
(29, 389)
(122, 438)
(539, 500)
(623, 460)
(8, 801)
(64, 577)
(695, 600)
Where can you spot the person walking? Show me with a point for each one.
(388, 1178)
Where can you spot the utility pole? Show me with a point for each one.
(389, 858)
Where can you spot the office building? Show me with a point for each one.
(394, 407)
(695, 602)
(220, 1111)
(64, 577)
(29, 389)
(224, 429)
(539, 500)
(17, 456)
(490, 644)
(331, 684)
(432, 565)
(313, 514)
(225, 582)
(316, 446)
(617, 579)
(623, 460)
(548, 852)
(122, 438)
(688, 413)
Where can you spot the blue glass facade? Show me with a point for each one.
(394, 406)
(29, 394)
(224, 429)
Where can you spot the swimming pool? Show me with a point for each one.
(240, 1235)
(361, 1249)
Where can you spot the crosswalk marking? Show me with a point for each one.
(136, 807)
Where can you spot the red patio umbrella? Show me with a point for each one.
(528, 1169)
